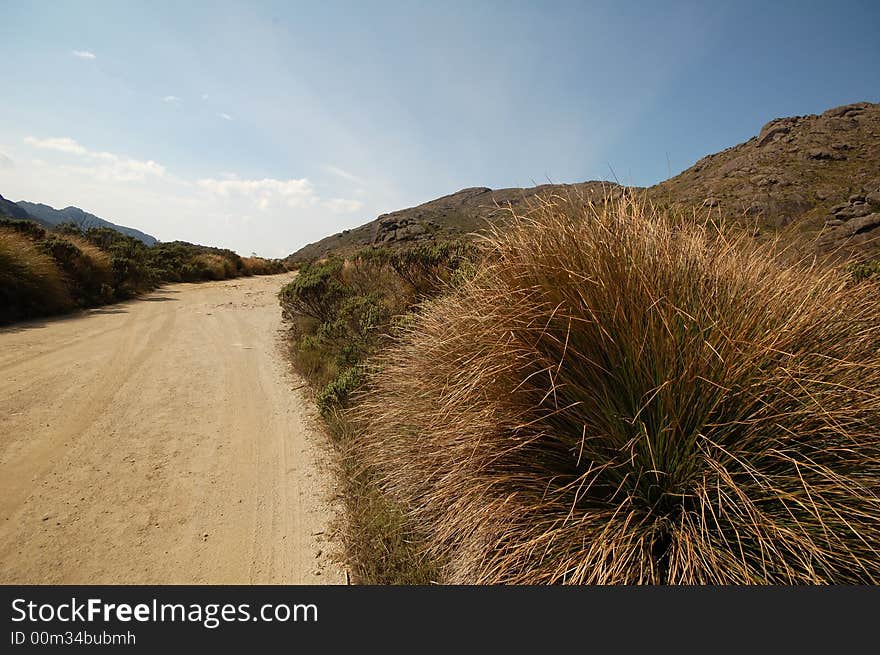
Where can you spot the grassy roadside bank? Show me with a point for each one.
(45, 272)
(341, 313)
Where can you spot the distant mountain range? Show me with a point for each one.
(820, 173)
(49, 216)
(11, 210)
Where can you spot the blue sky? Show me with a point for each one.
(262, 126)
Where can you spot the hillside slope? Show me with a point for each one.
(449, 217)
(51, 216)
(818, 173)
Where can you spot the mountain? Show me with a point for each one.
(51, 216)
(9, 209)
(817, 173)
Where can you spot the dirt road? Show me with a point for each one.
(161, 441)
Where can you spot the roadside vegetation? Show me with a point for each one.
(609, 395)
(341, 313)
(45, 272)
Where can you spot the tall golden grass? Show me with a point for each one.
(619, 397)
(259, 266)
(215, 266)
(31, 283)
(98, 259)
(91, 270)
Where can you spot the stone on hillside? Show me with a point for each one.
(854, 211)
(409, 231)
(775, 129)
(846, 111)
(856, 229)
(864, 224)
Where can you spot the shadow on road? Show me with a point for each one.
(118, 308)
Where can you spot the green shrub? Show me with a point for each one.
(868, 270)
(427, 267)
(260, 266)
(315, 292)
(336, 394)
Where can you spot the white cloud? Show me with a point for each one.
(204, 96)
(270, 215)
(171, 100)
(6, 161)
(98, 164)
(225, 116)
(263, 193)
(342, 205)
(60, 144)
(84, 54)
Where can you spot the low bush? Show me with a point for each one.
(315, 292)
(867, 270)
(337, 392)
(617, 397)
(428, 267)
(27, 228)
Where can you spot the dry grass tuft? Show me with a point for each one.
(617, 397)
(31, 283)
(260, 266)
(213, 267)
(99, 259)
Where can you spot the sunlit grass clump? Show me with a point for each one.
(31, 284)
(214, 267)
(618, 397)
(87, 269)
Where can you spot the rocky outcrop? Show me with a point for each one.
(854, 225)
(402, 228)
(815, 171)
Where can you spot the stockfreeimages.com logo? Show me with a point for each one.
(209, 615)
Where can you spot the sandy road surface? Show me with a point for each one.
(161, 441)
